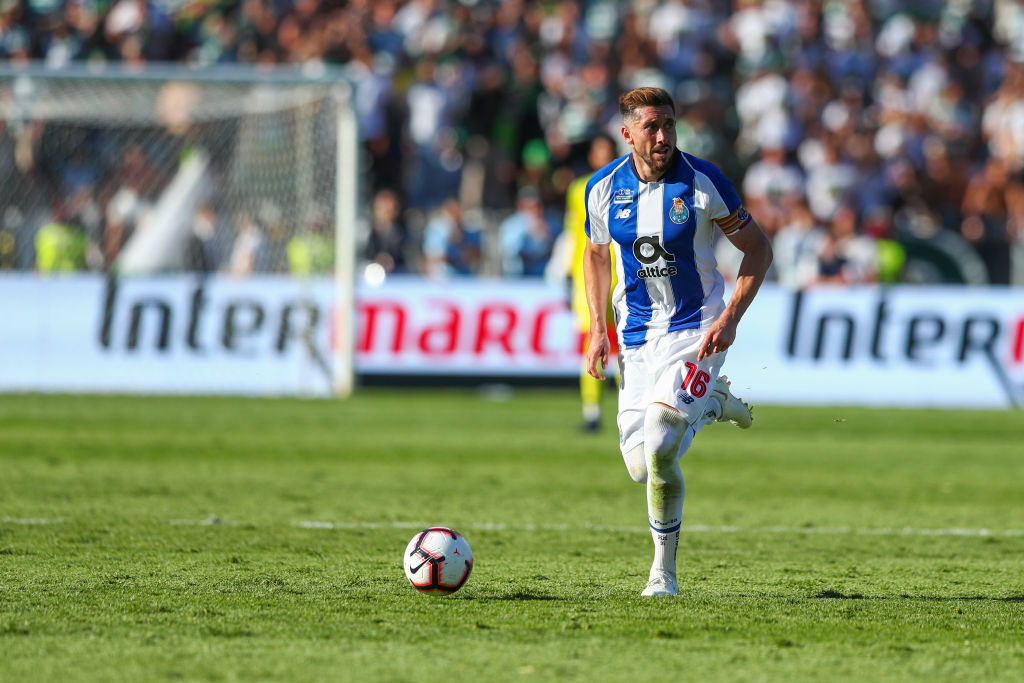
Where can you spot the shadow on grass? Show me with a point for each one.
(836, 595)
(519, 595)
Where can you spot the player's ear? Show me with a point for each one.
(626, 136)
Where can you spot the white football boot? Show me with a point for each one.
(661, 583)
(734, 410)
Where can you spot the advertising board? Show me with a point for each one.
(895, 346)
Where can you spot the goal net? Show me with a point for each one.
(170, 169)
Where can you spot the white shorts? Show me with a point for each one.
(664, 370)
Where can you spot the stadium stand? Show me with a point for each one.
(865, 135)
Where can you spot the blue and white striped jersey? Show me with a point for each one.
(663, 235)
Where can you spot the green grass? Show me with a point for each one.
(161, 539)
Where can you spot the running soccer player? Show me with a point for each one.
(658, 208)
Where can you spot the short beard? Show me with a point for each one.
(658, 167)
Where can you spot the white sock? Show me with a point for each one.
(665, 432)
(713, 408)
(665, 546)
(712, 411)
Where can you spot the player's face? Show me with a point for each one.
(652, 135)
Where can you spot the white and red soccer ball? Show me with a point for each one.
(438, 560)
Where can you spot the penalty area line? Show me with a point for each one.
(695, 528)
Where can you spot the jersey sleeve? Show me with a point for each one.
(598, 196)
(725, 207)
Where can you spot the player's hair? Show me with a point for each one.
(636, 98)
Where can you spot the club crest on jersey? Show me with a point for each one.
(622, 196)
(679, 213)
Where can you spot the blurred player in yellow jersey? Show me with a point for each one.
(602, 152)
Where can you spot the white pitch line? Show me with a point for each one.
(32, 521)
(213, 520)
(693, 528)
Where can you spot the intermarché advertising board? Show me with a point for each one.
(940, 346)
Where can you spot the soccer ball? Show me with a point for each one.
(438, 560)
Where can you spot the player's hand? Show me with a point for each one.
(597, 354)
(719, 337)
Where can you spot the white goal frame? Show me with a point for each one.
(346, 159)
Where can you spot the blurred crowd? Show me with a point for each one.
(864, 135)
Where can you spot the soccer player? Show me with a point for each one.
(658, 208)
(601, 153)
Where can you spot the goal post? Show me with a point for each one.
(346, 215)
(166, 168)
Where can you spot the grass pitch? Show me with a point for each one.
(236, 539)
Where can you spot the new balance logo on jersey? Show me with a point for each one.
(623, 213)
(648, 251)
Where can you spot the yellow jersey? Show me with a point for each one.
(575, 233)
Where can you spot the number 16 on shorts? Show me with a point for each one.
(695, 382)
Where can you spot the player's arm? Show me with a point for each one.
(597, 276)
(757, 257)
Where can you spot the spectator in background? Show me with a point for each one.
(844, 256)
(985, 211)
(132, 188)
(526, 237)
(1015, 228)
(796, 246)
(831, 264)
(310, 252)
(139, 31)
(434, 165)
(1003, 120)
(60, 245)
(16, 32)
(83, 211)
(450, 245)
(942, 180)
(201, 252)
(877, 223)
(123, 212)
(376, 108)
(697, 131)
(388, 242)
(246, 247)
(829, 179)
(771, 187)
(764, 118)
